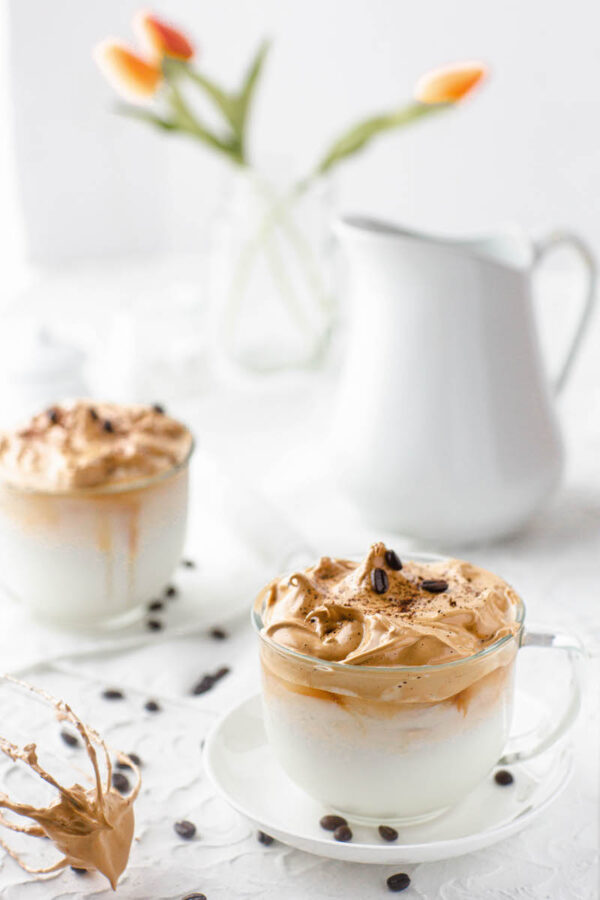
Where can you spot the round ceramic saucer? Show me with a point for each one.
(239, 762)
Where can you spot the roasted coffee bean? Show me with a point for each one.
(93, 414)
(387, 833)
(503, 777)
(152, 706)
(71, 740)
(343, 834)
(121, 764)
(379, 581)
(392, 560)
(185, 829)
(158, 408)
(208, 681)
(113, 694)
(435, 587)
(121, 782)
(265, 839)
(156, 606)
(78, 870)
(330, 823)
(194, 897)
(53, 416)
(170, 591)
(218, 634)
(398, 882)
(154, 625)
(188, 563)
(108, 426)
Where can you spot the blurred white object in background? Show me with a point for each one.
(37, 369)
(445, 427)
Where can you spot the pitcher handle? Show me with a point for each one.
(542, 247)
(526, 746)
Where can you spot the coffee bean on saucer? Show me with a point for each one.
(170, 591)
(156, 606)
(188, 563)
(78, 870)
(194, 896)
(121, 782)
(392, 560)
(265, 839)
(398, 882)
(185, 829)
(387, 833)
(71, 740)
(154, 625)
(158, 408)
(152, 706)
(379, 581)
(330, 823)
(108, 426)
(113, 694)
(343, 834)
(218, 634)
(503, 777)
(435, 587)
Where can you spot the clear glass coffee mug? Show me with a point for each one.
(402, 743)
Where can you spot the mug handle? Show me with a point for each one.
(526, 746)
(541, 249)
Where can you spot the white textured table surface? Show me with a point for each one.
(266, 438)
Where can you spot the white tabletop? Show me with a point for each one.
(270, 438)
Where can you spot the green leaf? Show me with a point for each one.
(361, 134)
(246, 94)
(144, 115)
(226, 103)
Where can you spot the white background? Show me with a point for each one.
(525, 149)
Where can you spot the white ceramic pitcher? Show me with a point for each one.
(445, 427)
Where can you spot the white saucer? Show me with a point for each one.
(244, 771)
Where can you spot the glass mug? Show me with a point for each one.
(94, 556)
(402, 743)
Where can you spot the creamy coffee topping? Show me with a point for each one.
(84, 444)
(373, 613)
(92, 827)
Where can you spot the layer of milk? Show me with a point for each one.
(385, 768)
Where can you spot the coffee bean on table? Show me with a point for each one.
(78, 870)
(435, 587)
(53, 416)
(152, 706)
(156, 606)
(342, 833)
(398, 882)
(185, 829)
(121, 764)
(208, 681)
(154, 625)
(392, 560)
(158, 408)
(379, 581)
(194, 897)
(387, 833)
(108, 426)
(121, 782)
(188, 563)
(113, 694)
(218, 634)
(265, 839)
(503, 777)
(170, 591)
(330, 823)
(71, 740)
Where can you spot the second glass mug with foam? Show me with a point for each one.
(402, 743)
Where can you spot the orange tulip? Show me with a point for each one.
(131, 76)
(161, 39)
(448, 84)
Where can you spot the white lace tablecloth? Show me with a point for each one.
(263, 438)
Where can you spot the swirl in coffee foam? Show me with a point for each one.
(333, 611)
(84, 444)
